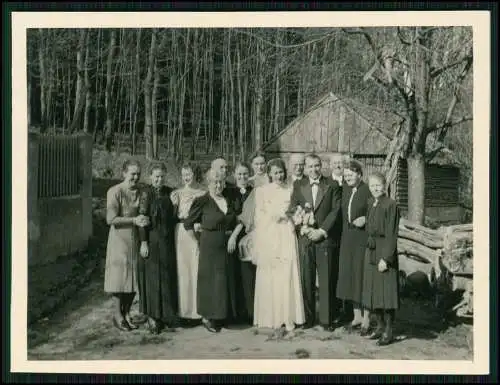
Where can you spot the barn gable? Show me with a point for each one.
(336, 124)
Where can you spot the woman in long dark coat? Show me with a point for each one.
(355, 196)
(381, 286)
(157, 269)
(217, 217)
(245, 270)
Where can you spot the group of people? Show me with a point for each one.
(255, 247)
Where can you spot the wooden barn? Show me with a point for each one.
(364, 133)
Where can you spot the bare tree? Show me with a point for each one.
(408, 71)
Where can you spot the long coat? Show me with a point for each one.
(215, 292)
(381, 290)
(245, 271)
(353, 244)
(158, 273)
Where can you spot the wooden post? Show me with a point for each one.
(340, 147)
(85, 148)
(33, 213)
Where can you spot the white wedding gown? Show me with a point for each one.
(278, 292)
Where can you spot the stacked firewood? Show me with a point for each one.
(440, 253)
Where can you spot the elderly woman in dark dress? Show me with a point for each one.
(380, 285)
(355, 196)
(217, 218)
(157, 270)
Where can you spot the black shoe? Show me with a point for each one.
(139, 319)
(376, 334)
(365, 331)
(352, 328)
(306, 325)
(209, 325)
(123, 325)
(328, 328)
(132, 325)
(385, 340)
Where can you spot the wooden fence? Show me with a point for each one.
(59, 170)
(59, 195)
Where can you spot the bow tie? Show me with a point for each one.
(314, 182)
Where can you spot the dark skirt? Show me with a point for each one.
(380, 290)
(215, 291)
(157, 276)
(351, 264)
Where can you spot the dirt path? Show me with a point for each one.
(82, 330)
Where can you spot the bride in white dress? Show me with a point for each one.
(278, 294)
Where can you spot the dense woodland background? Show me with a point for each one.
(192, 93)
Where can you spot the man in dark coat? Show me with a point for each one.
(337, 165)
(319, 247)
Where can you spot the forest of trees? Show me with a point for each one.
(230, 90)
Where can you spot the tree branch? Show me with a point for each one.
(401, 37)
(449, 124)
(438, 71)
(378, 56)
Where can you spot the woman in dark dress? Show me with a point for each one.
(157, 269)
(245, 270)
(217, 219)
(381, 286)
(355, 196)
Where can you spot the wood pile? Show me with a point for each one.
(445, 250)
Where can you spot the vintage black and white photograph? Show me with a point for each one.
(243, 193)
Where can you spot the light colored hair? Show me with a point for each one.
(296, 157)
(379, 176)
(215, 162)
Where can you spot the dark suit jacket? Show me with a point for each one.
(327, 211)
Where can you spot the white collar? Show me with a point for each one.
(339, 179)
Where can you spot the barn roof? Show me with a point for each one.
(377, 118)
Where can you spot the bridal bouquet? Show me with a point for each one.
(304, 217)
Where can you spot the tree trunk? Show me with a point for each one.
(108, 137)
(148, 123)
(98, 84)
(231, 99)
(43, 81)
(88, 99)
(154, 110)
(137, 88)
(259, 96)
(80, 89)
(241, 131)
(416, 188)
(180, 137)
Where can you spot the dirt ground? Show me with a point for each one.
(82, 330)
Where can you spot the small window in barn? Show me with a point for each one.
(59, 173)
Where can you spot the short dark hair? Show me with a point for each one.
(276, 162)
(157, 166)
(197, 174)
(130, 162)
(314, 156)
(380, 176)
(355, 166)
(258, 154)
(242, 164)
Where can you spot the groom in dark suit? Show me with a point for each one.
(319, 247)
